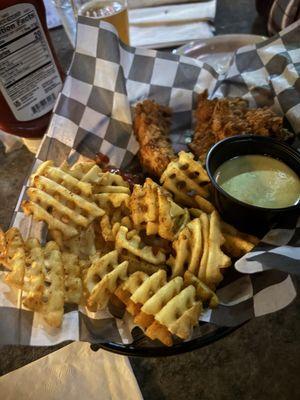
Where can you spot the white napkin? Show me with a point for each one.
(171, 25)
(73, 373)
(152, 3)
(156, 27)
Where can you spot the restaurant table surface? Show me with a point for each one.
(261, 360)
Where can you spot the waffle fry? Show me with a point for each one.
(111, 224)
(142, 212)
(47, 277)
(149, 287)
(13, 256)
(182, 249)
(53, 294)
(134, 281)
(163, 295)
(155, 303)
(237, 243)
(139, 289)
(110, 244)
(204, 219)
(82, 245)
(136, 264)
(216, 259)
(203, 292)
(133, 243)
(181, 313)
(160, 307)
(102, 279)
(198, 250)
(109, 182)
(231, 230)
(102, 182)
(34, 279)
(236, 246)
(72, 278)
(196, 245)
(153, 210)
(115, 205)
(188, 248)
(60, 200)
(204, 204)
(3, 247)
(186, 179)
(108, 228)
(172, 218)
(125, 290)
(80, 170)
(106, 201)
(160, 332)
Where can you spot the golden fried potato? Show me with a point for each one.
(188, 248)
(186, 179)
(204, 220)
(162, 296)
(82, 245)
(237, 243)
(53, 294)
(216, 259)
(160, 307)
(34, 279)
(46, 276)
(109, 182)
(160, 332)
(132, 242)
(81, 169)
(149, 287)
(143, 320)
(106, 201)
(236, 246)
(181, 313)
(198, 250)
(152, 209)
(203, 292)
(13, 256)
(137, 264)
(102, 279)
(60, 200)
(72, 278)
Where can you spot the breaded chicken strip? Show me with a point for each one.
(220, 118)
(203, 137)
(151, 127)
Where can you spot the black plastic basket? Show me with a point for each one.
(143, 347)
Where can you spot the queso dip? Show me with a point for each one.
(259, 180)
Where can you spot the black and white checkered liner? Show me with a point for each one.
(93, 114)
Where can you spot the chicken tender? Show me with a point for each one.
(218, 119)
(151, 127)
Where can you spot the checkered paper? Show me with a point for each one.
(93, 114)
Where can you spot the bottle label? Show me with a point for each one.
(29, 79)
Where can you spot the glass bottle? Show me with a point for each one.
(30, 75)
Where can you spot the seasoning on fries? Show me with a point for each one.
(140, 244)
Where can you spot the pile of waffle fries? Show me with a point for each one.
(159, 249)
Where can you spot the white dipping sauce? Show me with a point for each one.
(260, 181)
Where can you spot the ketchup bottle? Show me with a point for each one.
(30, 76)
